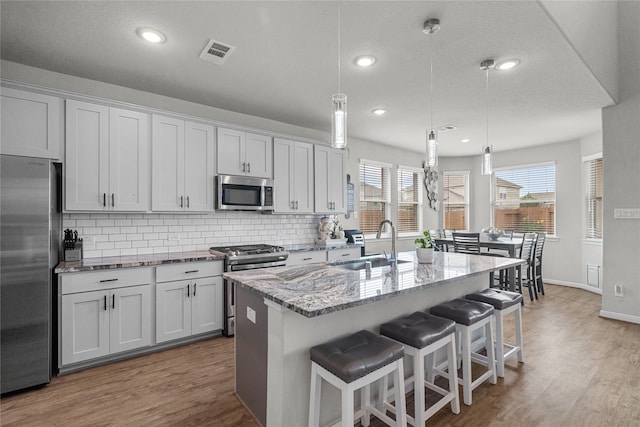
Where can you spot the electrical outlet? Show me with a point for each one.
(251, 314)
(618, 290)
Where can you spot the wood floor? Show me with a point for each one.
(579, 370)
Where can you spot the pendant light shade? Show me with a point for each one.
(487, 150)
(339, 109)
(432, 148)
(487, 154)
(339, 121)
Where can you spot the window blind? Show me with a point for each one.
(525, 199)
(455, 204)
(409, 201)
(375, 195)
(593, 198)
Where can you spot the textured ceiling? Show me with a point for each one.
(285, 66)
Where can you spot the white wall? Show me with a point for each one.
(621, 157)
(591, 249)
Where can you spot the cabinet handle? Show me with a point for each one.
(181, 201)
(104, 199)
(249, 167)
(108, 280)
(296, 204)
(113, 202)
(244, 166)
(113, 301)
(345, 254)
(195, 285)
(293, 204)
(191, 271)
(105, 303)
(307, 259)
(188, 291)
(187, 201)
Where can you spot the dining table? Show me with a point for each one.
(508, 244)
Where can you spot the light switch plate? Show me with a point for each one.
(626, 213)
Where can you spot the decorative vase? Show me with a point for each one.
(425, 256)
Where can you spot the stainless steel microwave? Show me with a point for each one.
(244, 193)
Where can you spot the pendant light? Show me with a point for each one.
(487, 150)
(431, 26)
(339, 113)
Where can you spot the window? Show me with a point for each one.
(375, 194)
(455, 200)
(593, 198)
(526, 201)
(409, 200)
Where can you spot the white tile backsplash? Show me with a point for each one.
(120, 234)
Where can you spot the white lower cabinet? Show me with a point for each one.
(104, 322)
(191, 305)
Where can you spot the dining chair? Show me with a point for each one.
(466, 243)
(527, 252)
(537, 262)
(438, 234)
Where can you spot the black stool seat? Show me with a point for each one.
(356, 355)
(463, 311)
(418, 329)
(498, 298)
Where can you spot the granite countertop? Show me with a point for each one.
(316, 289)
(94, 264)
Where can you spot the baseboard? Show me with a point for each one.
(573, 285)
(618, 316)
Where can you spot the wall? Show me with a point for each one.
(621, 157)
(562, 253)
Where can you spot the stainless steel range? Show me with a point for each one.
(246, 257)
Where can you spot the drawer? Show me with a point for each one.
(343, 254)
(298, 258)
(72, 283)
(188, 270)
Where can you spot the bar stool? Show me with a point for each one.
(354, 362)
(504, 302)
(469, 317)
(422, 335)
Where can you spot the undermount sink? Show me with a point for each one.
(361, 264)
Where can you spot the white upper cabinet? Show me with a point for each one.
(292, 176)
(107, 158)
(330, 180)
(182, 165)
(243, 153)
(30, 124)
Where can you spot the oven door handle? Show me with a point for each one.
(240, 267)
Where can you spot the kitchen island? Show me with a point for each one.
(282, 312)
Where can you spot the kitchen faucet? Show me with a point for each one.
(392, 261)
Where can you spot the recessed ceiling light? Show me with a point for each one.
(364, 61)
(151, 35)
(465, 140)
(380, 111)
(508, 64)
(446, 128)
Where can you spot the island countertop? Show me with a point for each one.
(316, 289)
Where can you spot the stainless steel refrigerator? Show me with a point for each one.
(30, 230)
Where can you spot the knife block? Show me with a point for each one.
(74, 254)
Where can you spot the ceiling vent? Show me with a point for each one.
(446, 128)
(216, 52)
